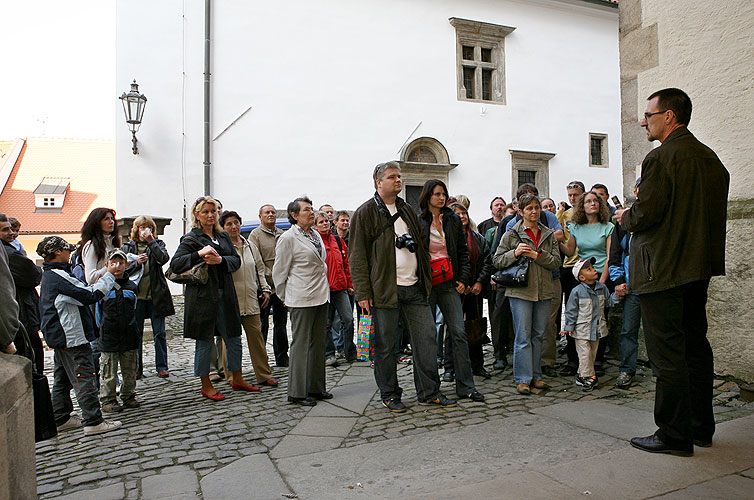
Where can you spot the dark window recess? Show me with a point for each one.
(527, 177)
(487, 84)
(412, 197)
(468, 81)
(468, 52)
(596, 151)
(486, 55)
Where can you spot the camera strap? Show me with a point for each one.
(389, 223)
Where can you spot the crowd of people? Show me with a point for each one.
(411, 269)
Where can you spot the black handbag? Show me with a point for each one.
(44, 419)
(476, 331)
(517, 274)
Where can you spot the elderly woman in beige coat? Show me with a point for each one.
(300, 276)
(251, 287)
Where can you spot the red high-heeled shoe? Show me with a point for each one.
(218, 396)
(246, 387)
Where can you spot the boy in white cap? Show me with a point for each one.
(585, 319)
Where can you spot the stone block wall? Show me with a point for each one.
(18, 478)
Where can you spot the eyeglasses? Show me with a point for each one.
(647, 116)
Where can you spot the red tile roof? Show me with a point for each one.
(90, 165)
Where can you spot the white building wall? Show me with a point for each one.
(337, 87)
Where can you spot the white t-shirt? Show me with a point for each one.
(405, 261)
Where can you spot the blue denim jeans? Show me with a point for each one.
(529, 322)
(343, 341)
(629, 334)
(203, 348)
(416, 316)
(445, 297)
(144, 309)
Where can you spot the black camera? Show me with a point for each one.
(406, 241)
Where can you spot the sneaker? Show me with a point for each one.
(624, 380)
(441, 401)
(331, 361)
(114, 407)
(340, 355)
(394, 405)
(406, 360)
(448, 376)
(102, 427)
(73, 422)
(500, 364)
(475, 396)
(131, 403)
(580, 381)
(589, 384)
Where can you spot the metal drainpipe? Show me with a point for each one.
(206, 97)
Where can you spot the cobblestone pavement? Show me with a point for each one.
(177, 430)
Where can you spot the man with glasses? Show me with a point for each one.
(678, 243)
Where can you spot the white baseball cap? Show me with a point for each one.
(580, 264)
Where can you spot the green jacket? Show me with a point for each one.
(678, 221)
(539, 286)
(373, 263)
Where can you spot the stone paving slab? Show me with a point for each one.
(354, 397)
(748, 473)
(523, 486)
(602, 416)
(291, 446)
(249, 478)
(442, 459)
(637, 474)
(722, 488)
(112, 492)
(325, 409)
(324, 426)
(167, 485)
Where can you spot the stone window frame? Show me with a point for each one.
(481, 35)
(536, 161)
(414, 173)
(604, 156)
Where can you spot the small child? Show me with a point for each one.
(118, 338)
(68, 327)
(585, 319)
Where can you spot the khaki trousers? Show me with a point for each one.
(587, 352)
(252, 325)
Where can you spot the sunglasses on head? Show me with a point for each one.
(575, 185)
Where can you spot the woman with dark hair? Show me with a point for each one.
(591, 232)
(449, 259)
(98, 236)
(530, 305)
(472, 298)
(251, 287)
(212, 309)
(153, 298)
(300, 276)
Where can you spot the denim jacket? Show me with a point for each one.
(585, 311)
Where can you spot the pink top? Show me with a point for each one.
(437, 248)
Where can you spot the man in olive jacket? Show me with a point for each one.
(393, 280)
(678, 224)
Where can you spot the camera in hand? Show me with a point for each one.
(406, 241)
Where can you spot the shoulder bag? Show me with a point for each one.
(517, 274)
(197, 275)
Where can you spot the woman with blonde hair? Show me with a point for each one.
(211, 309)
(153, 298)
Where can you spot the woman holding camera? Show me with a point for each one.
(530, 304)
(153, 298)
(300, 276)
(449, 260)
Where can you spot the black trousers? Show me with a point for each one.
(280, 331)
(675, 327)
(502, 325)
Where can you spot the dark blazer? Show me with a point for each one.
(26, 276)
(679, 218)
(157, 255)
(455, 243)
(484, 266)
(201, 301)
(373, 262)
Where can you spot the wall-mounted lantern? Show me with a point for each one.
(133, 107)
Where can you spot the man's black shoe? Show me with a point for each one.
(703, 443)
(500, 364)
(599, 371)
(302, 401)
(320, 395)
(440, 400)
(549, 371)
(653, 444)
(394, 405)
(567, 371)
(448, 376)
(482, 373)
(474, 396)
